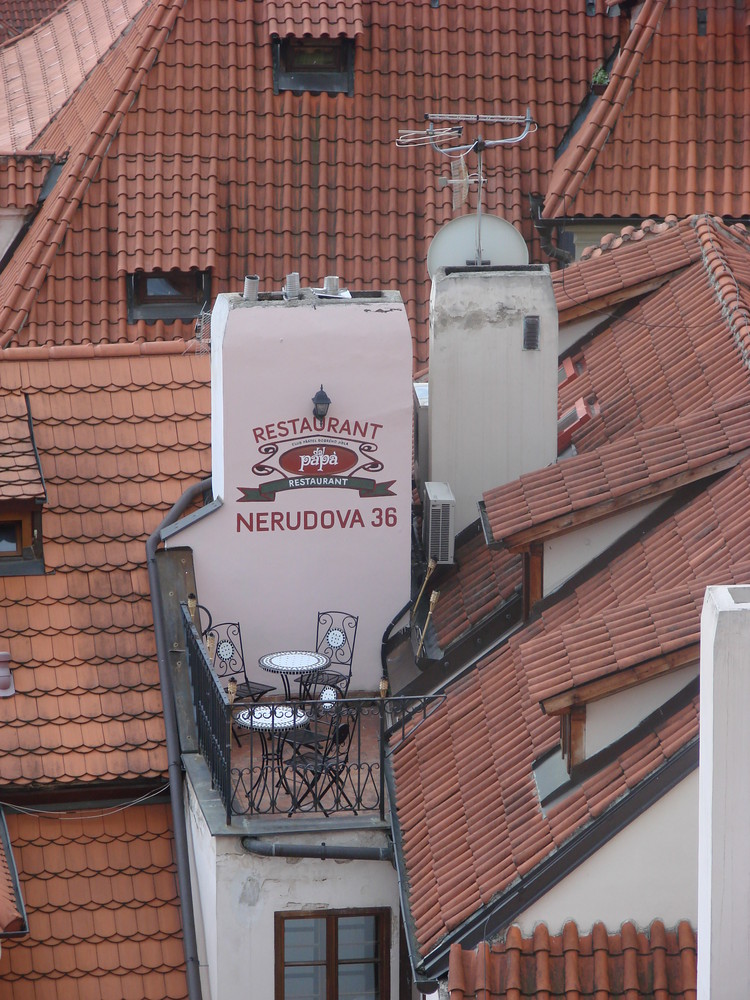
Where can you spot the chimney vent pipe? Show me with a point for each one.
(250, 291)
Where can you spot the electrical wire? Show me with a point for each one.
(57, 814)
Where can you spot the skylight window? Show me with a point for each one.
(167, 295)
(317, 65)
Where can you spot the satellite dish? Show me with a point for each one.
(455, 245)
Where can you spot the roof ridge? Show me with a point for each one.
(580, 156)
(649, 227)
(82, 351)
(77, 174)
(723, 281)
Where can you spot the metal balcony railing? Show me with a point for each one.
(277, 758)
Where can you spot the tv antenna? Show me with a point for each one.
(444, 133)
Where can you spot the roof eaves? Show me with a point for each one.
(493, 918)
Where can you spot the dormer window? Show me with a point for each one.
(572, 420)
(22, 490)
(167, 295)
(317, 65)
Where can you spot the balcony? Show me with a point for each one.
(305, 757)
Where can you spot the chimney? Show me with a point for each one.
(493, 378)
(724, 796)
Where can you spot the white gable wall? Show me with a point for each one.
(649, 869)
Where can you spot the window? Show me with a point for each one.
(21, 539)
(313, 64)
(167, 295)
(333, 955)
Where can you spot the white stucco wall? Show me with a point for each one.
(610, 718)
(493, 405)
(566, 554)
(238, 894)
(649, 869)
(337, 539)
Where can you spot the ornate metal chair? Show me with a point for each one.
(319, 764)
(224, 645)
(337, 632)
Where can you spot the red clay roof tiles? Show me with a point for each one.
(87, 705)
(103, 908)
(491, 727)
(209, 169)
(594, 966)
(20, 475)
(675, 90)
(319, 18)
(627, 471)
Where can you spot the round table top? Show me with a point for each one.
(271, 717)
(293, 661)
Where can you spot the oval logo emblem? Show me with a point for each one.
(318, 460)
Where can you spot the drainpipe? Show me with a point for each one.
(544, 228)
(321, 851)
(386, 637)
(173, 745)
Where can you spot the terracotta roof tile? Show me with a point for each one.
(103, 907)
(41, 69)
(87, 703)
(481, 581)
(627, 471)
(601, 965)
(323, 17)
(684, 344)
(707, 539)
(150, 182)
(23, 176)
(17, 16)
(20, 475)
(698, 125)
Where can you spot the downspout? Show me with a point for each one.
(173, 745)
(544, 228)
(386, 638)
(323, 851)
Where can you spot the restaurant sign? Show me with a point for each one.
(329, 454)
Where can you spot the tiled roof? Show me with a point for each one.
(683, 345)
(318, 18)
(670, 355)
(194, 162)
(623, 965)
(23, 175)
(482, 580)
(620, 640)
(628, 471)
(103, 908)
(121, 434)
(642, 256)
(467, 804)
(40, 70)
(17, 16)
(20, 476)
(674, 90)
(11, 917)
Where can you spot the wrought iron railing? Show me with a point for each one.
(311, 756)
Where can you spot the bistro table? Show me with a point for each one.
(268, 721)
(294, 662)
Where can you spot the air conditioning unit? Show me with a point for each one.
(437, 523)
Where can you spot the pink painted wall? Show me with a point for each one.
(330, 537)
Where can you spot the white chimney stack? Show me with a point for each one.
(724, 796)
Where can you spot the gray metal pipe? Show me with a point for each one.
(323, 851)
(190, 943)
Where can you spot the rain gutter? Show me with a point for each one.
(190, 943)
